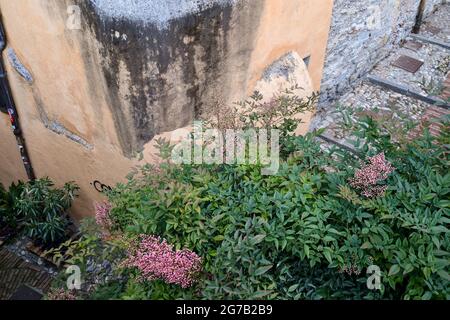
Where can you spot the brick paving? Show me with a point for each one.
(446, 92)
(434, 114)
(15, 272)
(432, 117)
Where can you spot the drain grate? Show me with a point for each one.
(408, 63)
(413, 45)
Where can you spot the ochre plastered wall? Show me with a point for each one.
(37, 32)
(70, 88)
(301, 26)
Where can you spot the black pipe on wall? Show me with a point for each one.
(7, 105)
(419, 17)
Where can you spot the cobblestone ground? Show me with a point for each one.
(371, 100)
(438, 26)
(428, 79)
(432, 79)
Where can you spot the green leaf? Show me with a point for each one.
(439, 229)
(436, 242)
(262, 294)
(306, 248)
(426, 272)
(218, 238)
(133, 210)
(444, 275)
(366, 245)
(257, 239)
(293, 288)
(263, 270)
(444, 203)
(427, 296)
(394, 270)
(408, 268)
(327, 255)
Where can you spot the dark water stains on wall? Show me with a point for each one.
(172, 71)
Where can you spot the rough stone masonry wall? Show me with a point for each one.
(362, 33)
(431, 5)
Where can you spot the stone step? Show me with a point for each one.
(427, 80)
(421, 96)
(406, 91)
(432, 41)
(379, 102)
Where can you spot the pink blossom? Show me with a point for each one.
(61, 294)
(156, 259)
(102, 211)
(367, 179)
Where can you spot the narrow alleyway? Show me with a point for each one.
(413, 81)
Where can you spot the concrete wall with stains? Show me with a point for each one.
(98, 96)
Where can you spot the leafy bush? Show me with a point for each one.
(44, 209)
(8, 200)
(281, 113)
(297, 234)
(99, 260)
(309, 232)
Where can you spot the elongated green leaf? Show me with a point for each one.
(394, 270)
(263, 270)
(257, 239)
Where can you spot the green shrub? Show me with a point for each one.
(304, 233)
(44, 210)
(99, 262)
(8, 201)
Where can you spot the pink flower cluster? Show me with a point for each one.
(156, 259)
(350, 270)
(368, 178)
(61, 294)
(102, 217)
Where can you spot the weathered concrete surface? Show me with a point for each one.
(162, 72)
(20, 68)
(155, 12)
(160, 78)
(125, 78)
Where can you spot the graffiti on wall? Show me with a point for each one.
(101, 187)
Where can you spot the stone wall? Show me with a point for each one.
(431, 5)
(362, 33)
